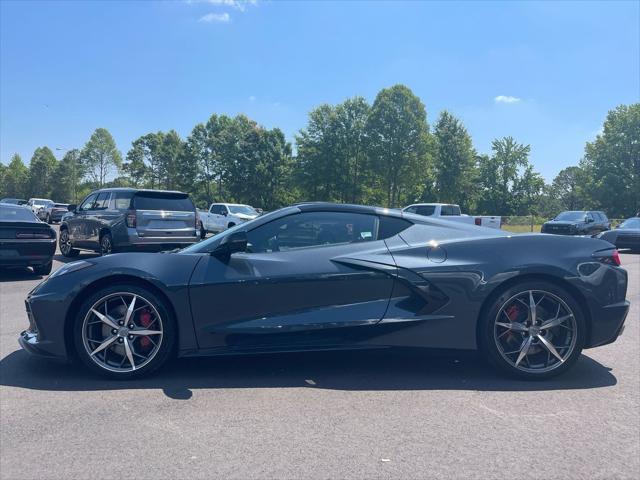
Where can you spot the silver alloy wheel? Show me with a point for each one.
(122, 332)
(65, 243)
(535, 331)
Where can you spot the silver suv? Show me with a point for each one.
(126, 219)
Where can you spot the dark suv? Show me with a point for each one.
(119, 219)
(578, 223)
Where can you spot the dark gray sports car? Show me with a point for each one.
(625, 235)
(324, 277)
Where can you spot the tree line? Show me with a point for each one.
(383, 153)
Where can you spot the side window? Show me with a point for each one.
(216, 209)
(426, 210)
(312, 229)
(390, 226)
(120, 200)
(589, 216)
(88, 202)
(102, 202)
(411, 209)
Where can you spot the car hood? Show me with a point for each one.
(562, 223)
(242, 216)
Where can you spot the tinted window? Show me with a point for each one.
(102, 202)
(571, 216)
(121, 200)
(450, 210)
(603, 217)
(88, 202)
(155, 201)
(242, 209)
(425, 210)
(16, 214)
(217, 209)
(390, 226)
(312, 229)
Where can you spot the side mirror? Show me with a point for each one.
(589, 220)
(72, 207)
(230, 244)
(224, 213)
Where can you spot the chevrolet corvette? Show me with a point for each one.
(320, 276)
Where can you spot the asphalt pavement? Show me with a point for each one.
(382, 414)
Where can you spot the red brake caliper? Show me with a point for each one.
(512, 312)
(145, 321)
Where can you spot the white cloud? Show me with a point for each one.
(237, 4)
(506, 99)
(216, 17)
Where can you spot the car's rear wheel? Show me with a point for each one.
(231, 224)
(124, 331)
(43, 269)
(64, 243)
(533, 330)
(106, 244)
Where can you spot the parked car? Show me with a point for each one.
(331, 277)
(625, 235)
(118, 219)
(225, 215)
(41, 207)
(24, 240)
(14, 201)
(57, 212)
(577, 223)
(449, 211)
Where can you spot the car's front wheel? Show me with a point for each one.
(533, 330)
(106, 244)
(43, 269)
(64, 243)
(124, 331)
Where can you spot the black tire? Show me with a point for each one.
(65, 246)
(106, 244)
(231, 224)
(165, 350)
(43, 269)
(488, 337)
(203, 233)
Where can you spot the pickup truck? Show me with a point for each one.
(448, 211)
(221, 216)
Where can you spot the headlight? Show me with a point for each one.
(71, 267)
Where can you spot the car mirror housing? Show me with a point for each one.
(72, 207)
(230, 244)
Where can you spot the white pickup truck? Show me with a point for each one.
(224, 215)
(448, 211)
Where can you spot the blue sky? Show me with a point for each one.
(67, 68)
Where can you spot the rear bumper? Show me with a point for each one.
(20, 253)
(128, 239)
(609, 324)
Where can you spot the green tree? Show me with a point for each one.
(398, 144)
(454, 163)
(100, 156)
(42, 168)
(65, 183)
(527, 191)
(612, 163)
(499, 176)
(16, 179)
(567, 188)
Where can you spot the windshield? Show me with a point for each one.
(630, 223)
(16, 214)
(242, 209)
(209, 244)
(159, 201)
(571, 216)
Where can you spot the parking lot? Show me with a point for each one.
(399, 414)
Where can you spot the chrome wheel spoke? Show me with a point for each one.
(104, 318)
(555, 322)
(109, 341)
(533, 306)
(524, 349)
(145, 332)
(127, 349)
(130, 309)
(550, 347)
(518, 327)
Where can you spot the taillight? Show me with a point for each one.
(610, 257)
(39, 235)
(131, 220)
(478, 222)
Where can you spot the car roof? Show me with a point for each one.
(134, 190)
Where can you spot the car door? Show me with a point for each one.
(217, 217)
(92, 221)
(76, 222)
(310, 278)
